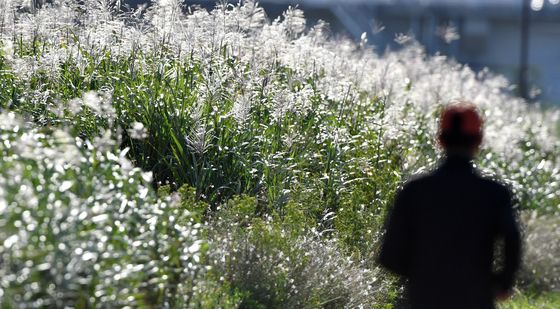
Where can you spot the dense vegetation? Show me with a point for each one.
(174, 157)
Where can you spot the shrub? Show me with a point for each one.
(541, 269)
(80, 227)
(274, 264)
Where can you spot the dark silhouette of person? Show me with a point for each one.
(444, 226)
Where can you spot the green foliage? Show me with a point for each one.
(276, 262)
(190, 203)
(81, 228)
(530, 300)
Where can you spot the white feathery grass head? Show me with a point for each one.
(138, 131)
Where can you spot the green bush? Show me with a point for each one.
(81, 227)
(277, 262)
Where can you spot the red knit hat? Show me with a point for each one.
(460, 126)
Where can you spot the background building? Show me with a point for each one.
(481, 33)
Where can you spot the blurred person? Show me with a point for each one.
(443, 227)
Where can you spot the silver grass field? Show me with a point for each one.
(174, 157)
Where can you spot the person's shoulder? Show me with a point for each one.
(495, 184)
(418, 180)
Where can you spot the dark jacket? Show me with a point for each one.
(441, 235)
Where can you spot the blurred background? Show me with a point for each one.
(517, 38)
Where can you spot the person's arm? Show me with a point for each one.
(395, 248)
(509, 230)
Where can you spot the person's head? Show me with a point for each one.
(460, 129)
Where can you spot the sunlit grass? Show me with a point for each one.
(275, 152)
(550, 300)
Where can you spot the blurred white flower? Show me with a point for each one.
(9, 121)
(241, 108)
(10, 241)
(198, 139)
(75, 106)
(537, 5)
(294, 21)
(402, 39)
(92, 100)
(7, 48)
(138, 131)
(448, 33)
